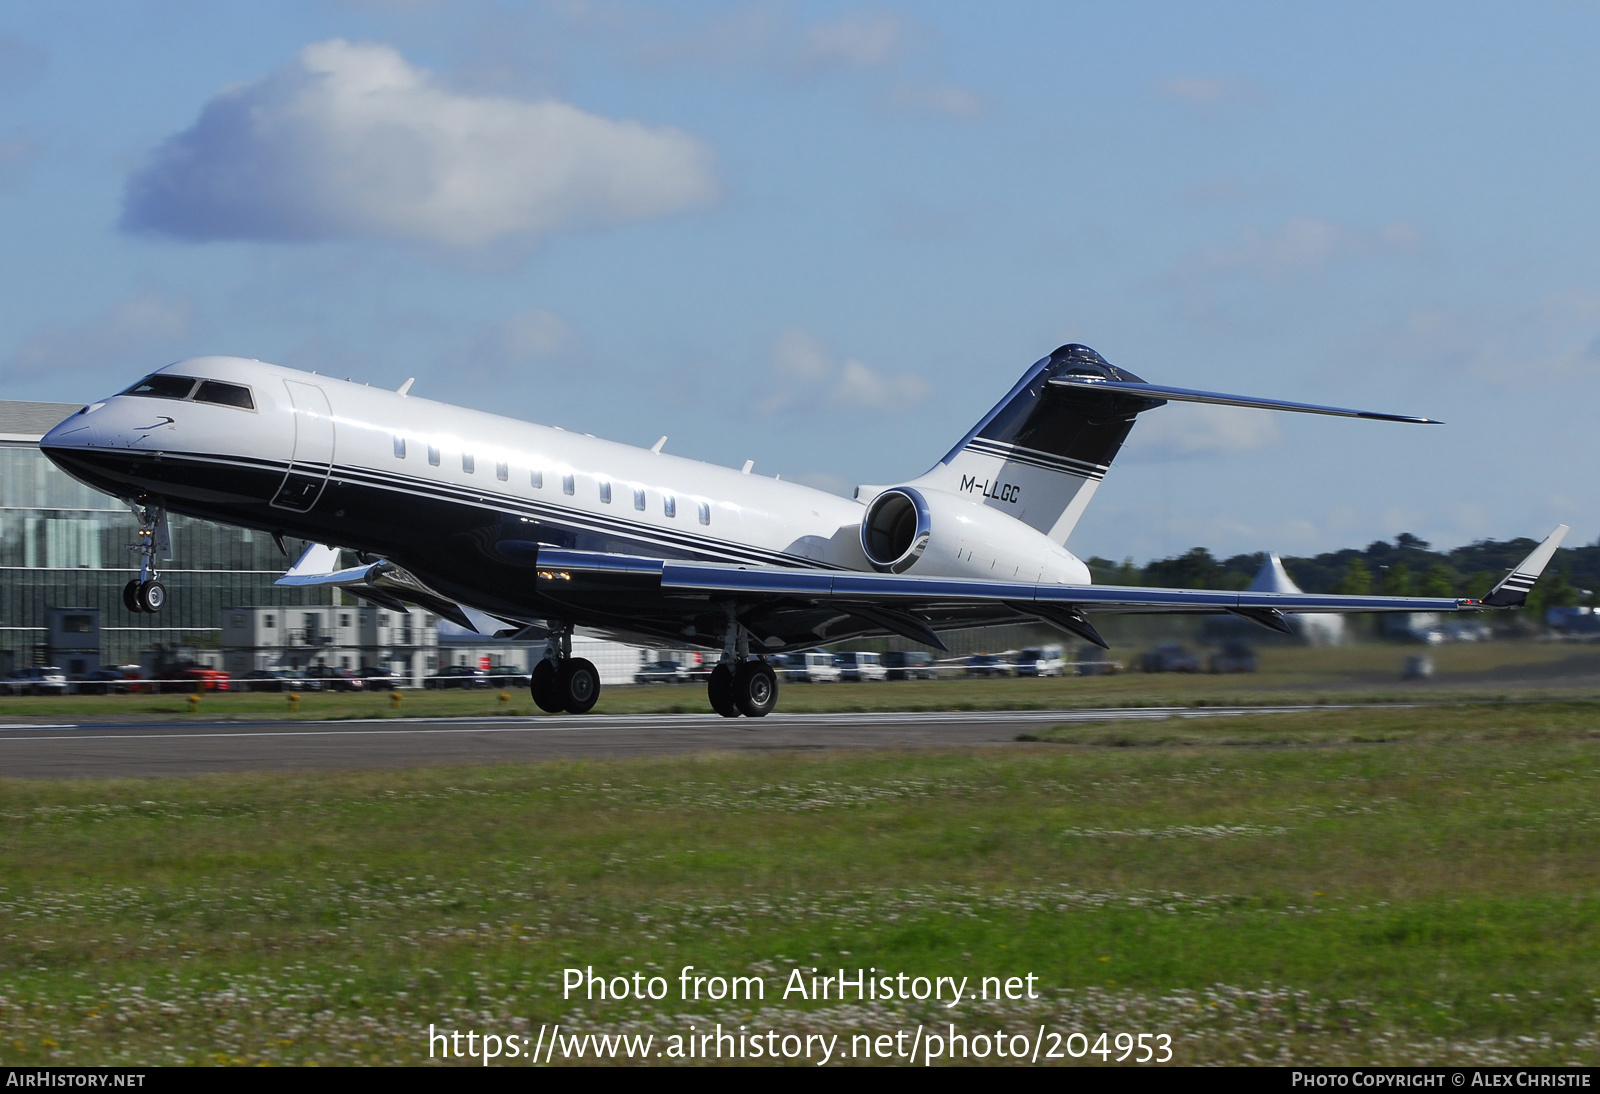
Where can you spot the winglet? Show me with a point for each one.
(1512, 592)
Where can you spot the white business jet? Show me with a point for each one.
(545, 530)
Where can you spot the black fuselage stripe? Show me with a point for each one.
(576, 520)
(553, 513)
(1018, 452)
(1081, 471)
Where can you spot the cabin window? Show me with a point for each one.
(160, 386)
(638, 499)
(433, 455)
(669, 505)
(469, 464)
(605, 492)
(502, 472)
(568, 485)
(215, 391)
(536, 477)
(399, 448)
(705, 512)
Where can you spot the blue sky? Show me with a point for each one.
(827, 237)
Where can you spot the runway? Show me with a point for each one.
(106, 750)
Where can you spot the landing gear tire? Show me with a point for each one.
(130, 597)
(152, 596)
(545, 694)
(755, 689)
(578, 683)
(720, 690)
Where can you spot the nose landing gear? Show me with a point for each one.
(562, 682)
(145, 594)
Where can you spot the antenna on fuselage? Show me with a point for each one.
(657, 446)
(405, 388)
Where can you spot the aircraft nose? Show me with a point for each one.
(78, 431)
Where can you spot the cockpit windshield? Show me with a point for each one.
(163, 386)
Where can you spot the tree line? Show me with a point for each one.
(1407, 566)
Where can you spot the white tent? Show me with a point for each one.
(1318, 629)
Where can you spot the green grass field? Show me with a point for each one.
(1357, 673)
(1403, 885)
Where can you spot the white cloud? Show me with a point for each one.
(1183, 430)
(859, 386)
(1195, 89)
(519, 342)
(857, 40)
(804, 373)
(350, 140)
(1303, 245)
(151, 325)
(532, 334)
(952, 102)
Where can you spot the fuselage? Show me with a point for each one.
(464, 499)
(456, 495)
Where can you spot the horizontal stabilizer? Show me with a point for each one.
(1512, 592)
(1185, 395)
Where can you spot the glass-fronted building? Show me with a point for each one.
(61, 546)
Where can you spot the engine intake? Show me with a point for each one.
(896, 529)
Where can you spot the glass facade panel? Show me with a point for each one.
(61, 546)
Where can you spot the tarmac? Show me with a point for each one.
(87, 749)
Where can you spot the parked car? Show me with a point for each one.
(1170, 657)
(813, 667)
(1041, 661)
(987, 664)
(508, 678)
(329, 678)
(104, 682)
(661, 672)
(1094, 661)
(35, 680)
(910, 665)
(458, 676)
(857, 666)
(193, 678)
(268, 680)
(379, 678)
(1233, 657)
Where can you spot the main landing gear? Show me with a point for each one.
(146, 594)
(562, 682)
(741, 684)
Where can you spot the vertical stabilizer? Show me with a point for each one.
(1318, 630)
(1039, 455)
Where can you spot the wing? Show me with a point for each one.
(793, 608)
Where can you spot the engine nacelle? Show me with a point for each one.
(931, 533)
